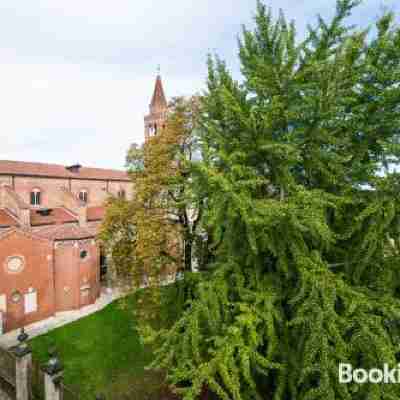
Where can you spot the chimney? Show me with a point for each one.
(74, 168)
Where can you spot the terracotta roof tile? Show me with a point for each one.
(5, 232)
(64, 232)
(21, 231)
(6, 219)
(57, 215)
(59, 171)
(11, 192)
(95, 213)
(94, 227)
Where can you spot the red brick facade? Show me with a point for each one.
(49, 259)
(36, 275)
(49, 218)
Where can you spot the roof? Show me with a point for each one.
(95, 213)
(57, 215)
(5, 231)
(64, 232)
(20, 231)
(94, 227)
(60, 171)
(11, 192)
(6, 219)
(158, 101)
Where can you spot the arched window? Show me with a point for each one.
(153, 129)
(35, 197)
(121, 194)
(83, 195)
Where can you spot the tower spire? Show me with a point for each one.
(155, 121)
(158, 101)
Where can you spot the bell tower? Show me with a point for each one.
(155, 120)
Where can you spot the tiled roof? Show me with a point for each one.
(4, 232)
(95, 213)
(64, 232)
(21, 231)
(59, 171)
(11, 192)
(94, 227)
(57, 215)
(6, 219)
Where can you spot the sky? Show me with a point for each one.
(76, 76)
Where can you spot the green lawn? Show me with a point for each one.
(103, 353)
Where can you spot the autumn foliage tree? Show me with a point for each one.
(157, 234)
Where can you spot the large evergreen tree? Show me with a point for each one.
(304, 217)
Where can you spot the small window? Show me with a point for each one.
(3, 303)
(121, 194)
(35, 197)
(83, 254)
(31, 301)
(16, 296)
(83, 196)
(153, 130)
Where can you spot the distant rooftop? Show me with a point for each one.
(60, 171)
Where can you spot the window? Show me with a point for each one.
(15, 264)
(83, 196)
(35, 197)
(83, 254)
(30, 301)
(121, 194)
(3, 303)
(16, 296)
(153, 130)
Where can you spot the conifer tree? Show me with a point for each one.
(304, 216)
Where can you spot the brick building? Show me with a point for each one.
(49, 218)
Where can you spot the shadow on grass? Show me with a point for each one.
(103, 353)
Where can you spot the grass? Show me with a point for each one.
(103, 353)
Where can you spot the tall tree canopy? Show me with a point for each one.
(304, 223)
(156, 234)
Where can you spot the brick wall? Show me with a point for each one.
(37, 275)
(51, 189)
(89, 271)
(77, 280)
(66, 276)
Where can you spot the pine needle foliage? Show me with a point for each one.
(304, 215)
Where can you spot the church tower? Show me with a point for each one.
(155, 120)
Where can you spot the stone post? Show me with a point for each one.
(53, 373)
(23, 367)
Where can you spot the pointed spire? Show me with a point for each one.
(158, 101)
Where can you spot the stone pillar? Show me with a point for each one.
(53, 373)
(23, 367)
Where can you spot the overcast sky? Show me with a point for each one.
(76, 76)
